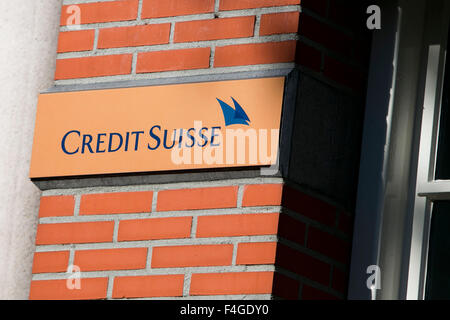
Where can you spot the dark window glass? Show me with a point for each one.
(438, 269)
(443, 151)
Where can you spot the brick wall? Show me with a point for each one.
(135, 39)
(244, 238)
(139, 39)
(334, 43)
(229, 239)
(333, 58)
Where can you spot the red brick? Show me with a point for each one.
(119, 202)
(56, 206)
(235, 225)
(309, 207)
(262, 195)
(134, 36)
(97, 66)
(326, 35)
(170, 8)
(310, 293)
(318, 6)
(285, 287)
(256, 253)
(344, 74)
(277, 23)
(248, 4)
(348, 16)
(111, 259)
(170, 60)
(70, 41)
(231, 283)
(53, 261)
(328, 244)
(77, 232)
(308, 56)
(200, 198)
(148, 286)
(255, 53)
(362, 47)
(91, 288)
(214, 29)
(303, 264)
(291, 229)
(339, 281)
(192, 256)
(345, 223)
(152, 229)
(98, 12)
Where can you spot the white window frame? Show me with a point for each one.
(396, 187)
(427, 188)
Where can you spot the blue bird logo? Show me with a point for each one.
(233, 116)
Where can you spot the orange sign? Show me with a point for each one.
(158, 128)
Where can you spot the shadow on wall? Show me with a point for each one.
(333, 54)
